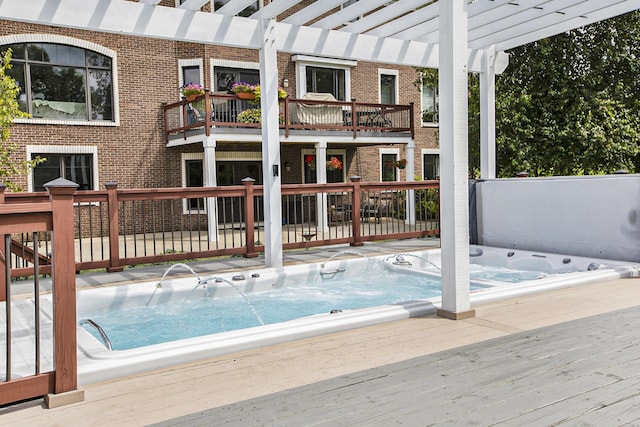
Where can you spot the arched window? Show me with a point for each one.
(62, 82)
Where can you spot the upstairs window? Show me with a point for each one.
(388, 86)
(62, 82)
(327, 80)
(429, 104)
(225, 77)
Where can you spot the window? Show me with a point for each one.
(388, 166)
(326, 80)
(226, 77)
(429, 104)
(74, 167)
(324, 75)
(194, 177)
(334, 174)
(430, 166)
(62, 82)
(388, 161)
(388, 87)
(191, 74)
(190, 71)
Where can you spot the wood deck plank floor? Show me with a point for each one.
(564, 357)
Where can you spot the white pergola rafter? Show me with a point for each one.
(456, 36)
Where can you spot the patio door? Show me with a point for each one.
(232, 173)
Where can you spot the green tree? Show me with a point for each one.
(567, 105)
(9, 110)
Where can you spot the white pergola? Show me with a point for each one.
(456, 36)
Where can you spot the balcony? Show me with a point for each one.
(226, 113)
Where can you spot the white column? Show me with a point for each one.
(488, 115)
(410, 170)
(321, 178)
(271, 169)
(210, 180)
(454, 193)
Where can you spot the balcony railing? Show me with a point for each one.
(215, 110)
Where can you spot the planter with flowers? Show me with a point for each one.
(310, 161)
(191, 91)
(251, 93)
(334, 164)
(282, 94)
(244, 90)
(401, 164)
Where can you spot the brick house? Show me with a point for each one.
(96, 103)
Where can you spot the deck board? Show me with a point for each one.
(583, 371)
(418, 371)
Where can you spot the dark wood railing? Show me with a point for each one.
(215, 110)
(34, 218)
(114, 228)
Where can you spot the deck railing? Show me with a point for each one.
(59, 374)
(215, 110)
(114, 228)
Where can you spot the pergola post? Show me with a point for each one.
(210, 180)
(321, 178)
(454, 191)
(410, 172)
(270, 146)
(488, 115)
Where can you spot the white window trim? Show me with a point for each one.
(195, 62)
(388, 72)
(303, 61)
(382, 151)
(64, 149)
(337, 151)
(428, 151)
(83, 44)
(229, 64)
(183, 172)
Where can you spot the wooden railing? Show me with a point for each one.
(213, 110)
(114, 228)
(34, 218)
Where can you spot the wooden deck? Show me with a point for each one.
(566, 357)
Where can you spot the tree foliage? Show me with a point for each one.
(9, 110)
(567, 105)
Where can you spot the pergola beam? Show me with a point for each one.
(572, 19)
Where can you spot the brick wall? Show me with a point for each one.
(134, 154)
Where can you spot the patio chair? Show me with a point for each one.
(339, 208)
(370, 208)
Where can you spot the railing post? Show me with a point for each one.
(354, 118)
(249, 217)
(207, 113)
(114, 237)
(286, 116)
(4, 257)
(356, 211)
(411, 117)
(64, 295)
(185, 119)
